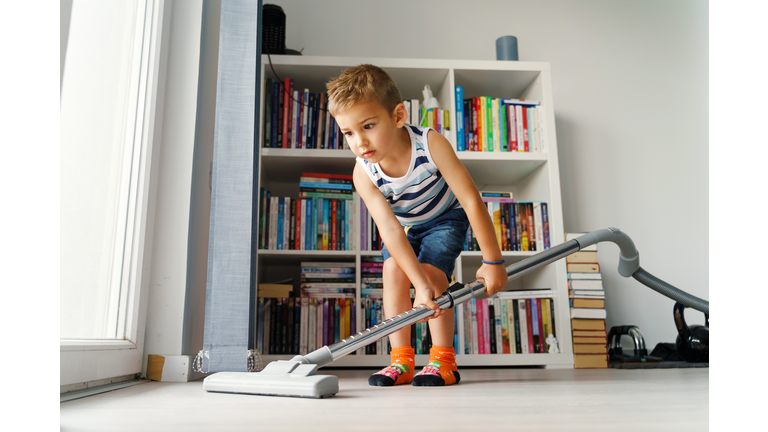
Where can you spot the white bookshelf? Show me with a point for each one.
(529, 176)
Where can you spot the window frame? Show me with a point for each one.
(85, 360)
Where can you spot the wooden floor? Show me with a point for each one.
(487, 399)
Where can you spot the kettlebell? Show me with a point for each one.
(692, 342)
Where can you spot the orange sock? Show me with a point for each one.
(441, 370)
(399, 372)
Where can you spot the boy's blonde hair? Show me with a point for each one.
(365, 82)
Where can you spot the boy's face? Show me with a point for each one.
(370, 130)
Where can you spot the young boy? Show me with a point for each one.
(422, 200)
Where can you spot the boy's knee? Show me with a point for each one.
(436, 277)
(392, 271)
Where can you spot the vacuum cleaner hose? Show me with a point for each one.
(670, 291)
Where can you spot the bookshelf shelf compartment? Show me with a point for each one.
(314, 72)
(529, 176)
(497, 83)
(286, 165)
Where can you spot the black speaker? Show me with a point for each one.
(272, 29)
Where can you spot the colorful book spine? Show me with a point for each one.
(488, 109)
(460, 143)
(268, 113)
(504, 327)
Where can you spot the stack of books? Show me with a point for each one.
(499, 125)
(519, 225)
(320, 219)
(587, 302)
(511, 322)
(298, 120)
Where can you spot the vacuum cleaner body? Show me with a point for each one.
(297, 377)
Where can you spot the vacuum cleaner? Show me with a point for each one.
(297, 377)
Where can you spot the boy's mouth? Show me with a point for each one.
(369, 153)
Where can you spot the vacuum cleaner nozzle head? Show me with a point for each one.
(278, 378)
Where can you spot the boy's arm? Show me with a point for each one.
(392, 233)
(463, 187)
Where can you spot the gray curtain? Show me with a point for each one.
(230, 292)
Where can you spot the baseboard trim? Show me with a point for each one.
(94, 388)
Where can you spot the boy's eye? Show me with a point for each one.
(348, 133)
(369, 124)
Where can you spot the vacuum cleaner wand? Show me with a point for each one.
(301, 368)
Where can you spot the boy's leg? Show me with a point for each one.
(442, 369)
(397, 299)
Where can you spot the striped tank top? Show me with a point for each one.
(421, 194)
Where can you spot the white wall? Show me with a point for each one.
(176, 308)
(631, 106)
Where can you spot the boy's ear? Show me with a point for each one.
(401, 115)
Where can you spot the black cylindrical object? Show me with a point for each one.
(272, 29)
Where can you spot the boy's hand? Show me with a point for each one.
(494, 277)
(424, 296)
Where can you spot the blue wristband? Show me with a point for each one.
(493, 262)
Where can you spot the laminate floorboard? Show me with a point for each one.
(486, 399)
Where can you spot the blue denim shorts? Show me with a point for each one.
(439, 241)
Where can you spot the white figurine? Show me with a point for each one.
(429, 100)
(552, 344)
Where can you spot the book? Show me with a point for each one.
(585, 284)
(590, 361)
(304, 331)
(582, 257)
(334, 264)
(498, 326)
(495, 194)
(504, 326)
(587, 293)
(597, 340)
(475, 333)
(260, 326)
(312, 325)
(590, 348)
(481, 321)
(589, 276)
(525, 332)
(583, 268)
(600, 314)
(587, 324)
(545, 323)
(539, 225)
(460, 143)
(588, 303)
(523, 102)
(535, 314)
(512, 310)
(590, 333)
